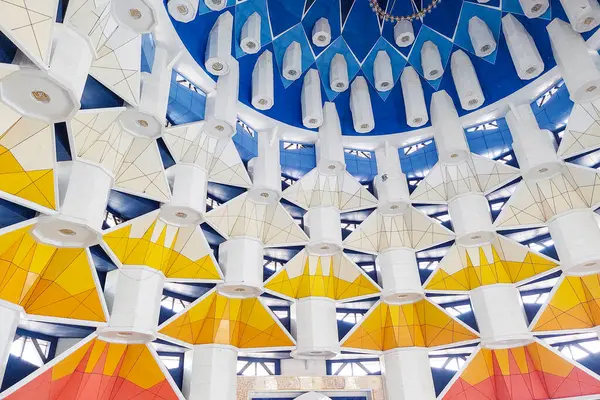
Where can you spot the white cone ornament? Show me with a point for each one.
(218, 50)
(404, 33)
(263, 89)
(431, 61)
(414, 98)
(575, 61)
(215, 5)
(250, 40)
(338, 74)
(292, 62)
(183, 10)
(523, 51)
(312, 110)
(466, 81)
(584, 15)
(482, 37)
(321, 33)
(534, 8)
(382, 70)
(360, 105)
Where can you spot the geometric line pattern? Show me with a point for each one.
(341, 191)
(29, 24)
(335, 277)
(118, 49)
(475, 174)
(48, 281)
(501, 261)
(181, 253)
(270, 223)
(217, 319)
(535, 202)
(531, 372)
(27, 158)
(582, 133)
(98, 370)
(420, 324)
(189, 144)
(411, 229)
(573, 304)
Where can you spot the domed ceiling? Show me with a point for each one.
(359, 34)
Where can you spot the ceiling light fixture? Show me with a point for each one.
(383, 14)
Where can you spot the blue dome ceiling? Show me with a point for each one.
(359, 34)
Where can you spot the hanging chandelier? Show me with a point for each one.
(383, 14)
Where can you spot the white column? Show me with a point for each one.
(301, 368)
(500, 316)
(221, 104)
(292, 62)
(584, 15)
(338, 74)
(390, 183)
(576, 62)
(250, 40)
(449, 135)
(360, 106)
(523, 51)
(218, 50)
(466, 81)
(399, 276)
(330, 152)
(576, 236)
(188, 184)
(323, 226)
(210, 373)
(431, 61)
(9, 315)
(149, 118)
(533, 147)
(133, 295)
(315, 328)
(482, 39)
(472, 219)
(382, 70)
(263, 87)
(265, 169)
(83, 192)
(407, 374)
(52, 95)
(183, 10)
(241, 259)
(414, 99)
(312, 109)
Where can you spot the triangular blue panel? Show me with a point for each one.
(513, 6)
(203, 9)
(242, 12)
(327, 9)
(361, 30)
(492, 17)
(284, 14)
(398, 63)
(444, 46)
(280, 45)
(324, 61)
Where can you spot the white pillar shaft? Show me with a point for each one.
(183, 10)
(9, 315)
(382, 70)
(315, 328)
(414, 99)
(292, 62)
(154, 97)
(133, 295)
(360, 106)
(71, 58)
(263, 87)
(84, 189)
(241, 261)
(338, 74)
(312, 109)
(500, 316)
(533, 147)
(189, 184)
(482, 38)
(407, 375)
(390, 183)
(584, 15)
(210, 373)
(266, 169)
(576, 62)
(250, 40)
(466, 81)
(431, 61)
(471, 219)
(576, 236)
(221, 105)
(330, 151)
(448, 132)
(218, 50)
(323, 226)
(523, 51)
(400, 276)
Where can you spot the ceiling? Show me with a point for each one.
(358, 34)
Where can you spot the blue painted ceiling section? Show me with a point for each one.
(358, 37)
